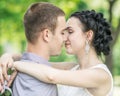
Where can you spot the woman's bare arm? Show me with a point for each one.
(16, 57)
(63, 65)
(58, 65)
(83, 78)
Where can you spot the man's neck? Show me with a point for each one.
(38, 50)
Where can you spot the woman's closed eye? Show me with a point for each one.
(70, 31)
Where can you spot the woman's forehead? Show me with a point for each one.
(73, 22)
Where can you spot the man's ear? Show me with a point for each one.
(89, 35)
(46, 34)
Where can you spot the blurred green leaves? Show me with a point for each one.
(12, 38)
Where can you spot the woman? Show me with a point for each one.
(89, 36)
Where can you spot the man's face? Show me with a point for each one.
(58, 37)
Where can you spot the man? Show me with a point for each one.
(44, 29)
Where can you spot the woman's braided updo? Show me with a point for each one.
(101, 28)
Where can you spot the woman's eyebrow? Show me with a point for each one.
(68, 27)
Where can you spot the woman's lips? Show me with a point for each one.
(67, 45)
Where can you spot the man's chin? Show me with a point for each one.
(57, 54)
(70, 53)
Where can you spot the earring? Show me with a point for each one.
(87, 47)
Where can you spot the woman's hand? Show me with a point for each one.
(11, 79)
(6, 62)
(1, 80)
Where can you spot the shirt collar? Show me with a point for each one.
(35, 58)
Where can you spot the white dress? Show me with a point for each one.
(64, 90)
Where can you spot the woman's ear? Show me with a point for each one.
(46, 34)
(89, 35)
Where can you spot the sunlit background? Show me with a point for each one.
(12, 37)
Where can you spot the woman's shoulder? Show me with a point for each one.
(101, 66)
(106, 70)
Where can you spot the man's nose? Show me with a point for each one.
(66, 35)
(64, 38)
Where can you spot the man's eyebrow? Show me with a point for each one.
(65, 29)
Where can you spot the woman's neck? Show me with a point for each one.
(88, 60)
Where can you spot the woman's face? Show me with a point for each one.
(75, 42)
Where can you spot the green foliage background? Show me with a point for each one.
(12, 38)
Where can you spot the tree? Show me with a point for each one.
(115, 32)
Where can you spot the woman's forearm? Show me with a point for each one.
(63, 65)
(55, 76)
(39, 71)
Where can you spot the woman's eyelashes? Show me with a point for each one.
(70, 31)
